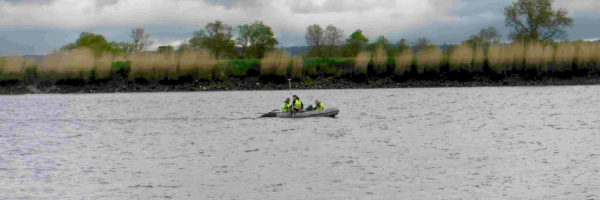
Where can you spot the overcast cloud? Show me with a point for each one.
(172, 21)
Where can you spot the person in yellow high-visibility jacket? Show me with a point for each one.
(319, 105)
(286, 106)
(297, 105)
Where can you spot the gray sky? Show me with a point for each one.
(39, 26)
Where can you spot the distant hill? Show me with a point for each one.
(294, 51)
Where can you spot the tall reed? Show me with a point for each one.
(429, 59)
(275, 62)
(362, 62)
(586, 55)
(478, 59)
(404, 62)
(564, 57)
(297, 65)
(75, 64)
(497, 58)
(461, 58)
(380, 60)
(201, 63)
(516, 55)
(103, 65)
(11, 67)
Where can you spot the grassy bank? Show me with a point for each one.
(499, 63)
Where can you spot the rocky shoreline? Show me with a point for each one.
(254, 83)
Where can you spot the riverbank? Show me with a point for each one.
(254, 83)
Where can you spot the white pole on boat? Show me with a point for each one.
(290, 84)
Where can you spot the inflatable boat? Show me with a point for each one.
(328, 112)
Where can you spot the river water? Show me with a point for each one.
(436, 143)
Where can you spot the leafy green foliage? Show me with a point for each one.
(355, 43)
(166, 49)
(256, 39)
(216, 37)
(535, 21)
(485, 38)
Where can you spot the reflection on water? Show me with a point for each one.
(520, 142)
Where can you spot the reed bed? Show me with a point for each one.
(297, 65)
(201, 63)
(461, 58)
(404, 62)
(153, 66)
(11, 67)
(429, 59)
(362, 62)
(586, 55)
(275, 63)
(380, 60)
(478, 60)
(103, 65)
(75, 64)
(497, 58)
(564, 57)
(535, 57)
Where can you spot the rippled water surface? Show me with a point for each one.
(442, 143)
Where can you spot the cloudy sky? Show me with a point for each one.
(39, 26)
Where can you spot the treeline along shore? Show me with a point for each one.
(82, 71)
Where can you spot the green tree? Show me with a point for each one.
(166, 49)
(244, 33)
(381, 42)
(315, 39)
(256, 39)
(141, 39)
(216, 37)
(262, 40)
(534, 20)
(402, 45)
(333, 40)
(485, 37)
(97, 43)
(421, 45)
(355, 43)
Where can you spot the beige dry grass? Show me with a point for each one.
(275, 62)
(12, 65)
(564, 56)
(362, 62)
(497, 58)
(380, 57)
(586, 54)
(430, 59)
(404, 62)
(77, 63)
(461, 58)
(478, 59)
(297, 64)
(103, 65)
